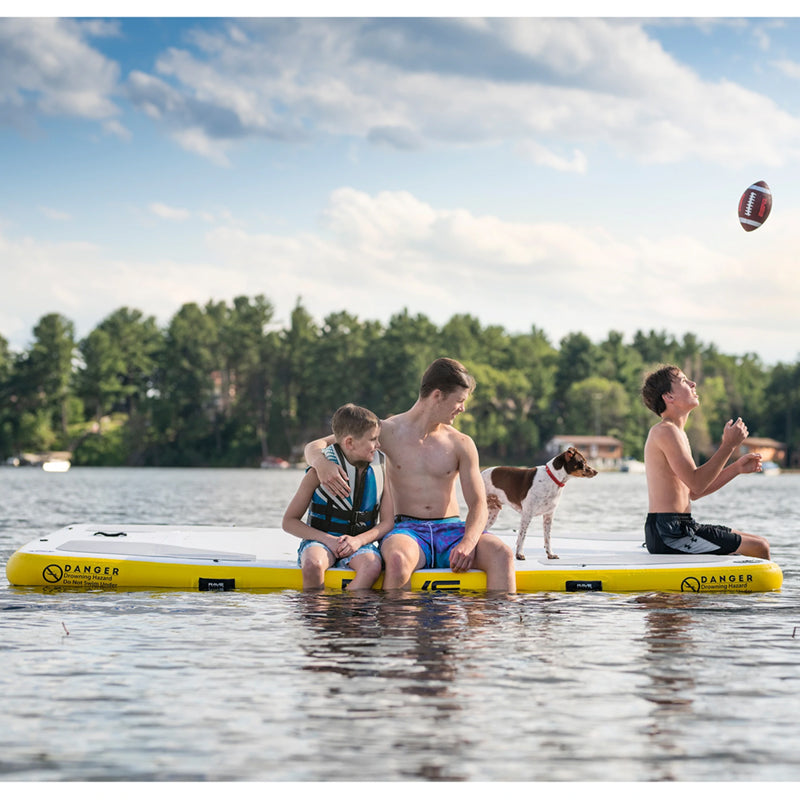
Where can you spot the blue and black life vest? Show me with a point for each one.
(359, 511)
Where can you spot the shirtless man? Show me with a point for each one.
(424, 456)
(674, 480)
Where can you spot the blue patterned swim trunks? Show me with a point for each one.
(435, 537)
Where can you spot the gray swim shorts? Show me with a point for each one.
(679, 533)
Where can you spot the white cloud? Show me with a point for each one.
(116, 128)
(169, 212)
(379, 253)
(373, 255)
(46, 67)
(547, 158)
(555, 87)
(197, 141)
(788, 67)
(55, 214)
(82, 282)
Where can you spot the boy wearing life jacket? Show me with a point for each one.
(344, 531)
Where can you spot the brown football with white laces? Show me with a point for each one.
(755, 205)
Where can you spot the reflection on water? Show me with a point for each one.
(394, 659)
(286, 686)
(671, 688)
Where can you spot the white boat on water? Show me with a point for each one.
(56, 465)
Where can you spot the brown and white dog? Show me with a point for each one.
(533, 491)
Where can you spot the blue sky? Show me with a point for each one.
(573, 174)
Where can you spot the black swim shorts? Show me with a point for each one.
(679, 533)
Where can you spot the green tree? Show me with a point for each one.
(619, 362)
(119, 361)
(347, 348)
(44, 375)
(656, 348)
(185, 387)
(782, 398)
(498, 415)
(690, 358)
(407, 347)
(251, 352)
(577, 361)
(744, 380)
(99, 380)
(462, 338)
(5, 361)
(300, 372)
(7, 401)
(623, 364)
(596, 406)
(536, 358)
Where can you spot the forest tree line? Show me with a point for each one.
(224, 385)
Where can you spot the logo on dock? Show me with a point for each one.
(440, 586)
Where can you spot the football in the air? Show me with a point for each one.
(755, 205)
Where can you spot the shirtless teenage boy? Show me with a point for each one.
(424, 456)
(674, 480)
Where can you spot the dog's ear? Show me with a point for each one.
(570, 454)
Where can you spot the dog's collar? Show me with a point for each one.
(555, 480)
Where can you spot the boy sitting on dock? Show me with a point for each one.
(344, 531)
(674, 480)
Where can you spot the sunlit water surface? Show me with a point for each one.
(282, 686)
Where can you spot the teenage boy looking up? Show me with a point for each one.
(674, 480)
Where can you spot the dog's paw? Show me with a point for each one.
(520, 556)
(552, 555)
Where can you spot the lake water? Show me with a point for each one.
(282, 686)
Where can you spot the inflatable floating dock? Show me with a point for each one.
(205, 558)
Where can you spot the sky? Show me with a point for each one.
(573, 174)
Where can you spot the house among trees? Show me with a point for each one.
(604, 452)
(770, 449)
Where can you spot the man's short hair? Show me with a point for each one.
(446, 375)
(353, 420)
(657, 384)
